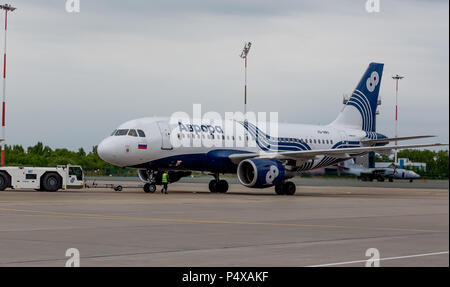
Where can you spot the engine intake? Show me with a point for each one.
(260, 173)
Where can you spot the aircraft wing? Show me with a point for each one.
(385, 140)
(312, 154)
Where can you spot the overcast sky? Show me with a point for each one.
(74, 77)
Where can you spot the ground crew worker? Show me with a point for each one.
(164, 181)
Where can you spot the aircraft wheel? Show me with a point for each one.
(279, 189)
(149, 188)
(410, 180)
(289, 188)
(222, 186)
(380, 178)
(213, 185)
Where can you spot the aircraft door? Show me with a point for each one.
(343, 137)
(165, 135)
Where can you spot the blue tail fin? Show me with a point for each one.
(360, 109)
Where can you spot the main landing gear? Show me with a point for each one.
(285, 188)
(218, 185)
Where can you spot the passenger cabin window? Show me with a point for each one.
(141, 133)
(121, 132)
(132, 133)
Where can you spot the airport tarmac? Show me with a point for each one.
(329, 225)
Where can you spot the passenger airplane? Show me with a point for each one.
(146, 144)
(379, 173)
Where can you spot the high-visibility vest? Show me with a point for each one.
(164, 178)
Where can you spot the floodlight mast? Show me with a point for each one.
(396, 78)
(7, 8)
(244, 55)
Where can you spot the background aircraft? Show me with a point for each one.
(380, 173)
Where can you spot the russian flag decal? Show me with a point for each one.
(142, 146)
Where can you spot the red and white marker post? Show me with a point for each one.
(7, 8)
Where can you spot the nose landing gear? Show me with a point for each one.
(150, 187)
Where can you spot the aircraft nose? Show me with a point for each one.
(105, 150)
(415, 175)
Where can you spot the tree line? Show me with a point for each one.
(40, 155)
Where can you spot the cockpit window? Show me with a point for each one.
(121, 133)
(141, 133)
(132, 133)
(75, 170)
(113, 133)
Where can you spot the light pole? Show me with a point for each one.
(244, 55)
(396, 78)
(7, 8)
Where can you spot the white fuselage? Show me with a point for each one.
(159, 148)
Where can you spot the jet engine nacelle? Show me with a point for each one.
(260, 173)
(174, 176)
